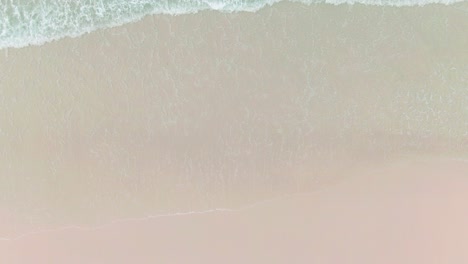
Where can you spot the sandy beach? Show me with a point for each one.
(413, 212)
(214, 110)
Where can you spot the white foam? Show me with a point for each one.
(46, 21)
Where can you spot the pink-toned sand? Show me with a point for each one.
(411, 212)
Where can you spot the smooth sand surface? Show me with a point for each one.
(412, 212)
(211, 110)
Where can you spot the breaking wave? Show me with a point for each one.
(35, 22)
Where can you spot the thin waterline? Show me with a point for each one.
(150, 217)
(208, 211)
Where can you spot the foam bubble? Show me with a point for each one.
(24, 23)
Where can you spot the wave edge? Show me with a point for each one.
(10, 39)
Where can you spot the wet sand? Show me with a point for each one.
(412, 212)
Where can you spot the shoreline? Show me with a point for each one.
(363, 108)
(358, 175)
(404, 201)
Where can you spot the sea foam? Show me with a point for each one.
(35, 22)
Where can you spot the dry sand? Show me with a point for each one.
(195, 112)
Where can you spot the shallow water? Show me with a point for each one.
(194, 112)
